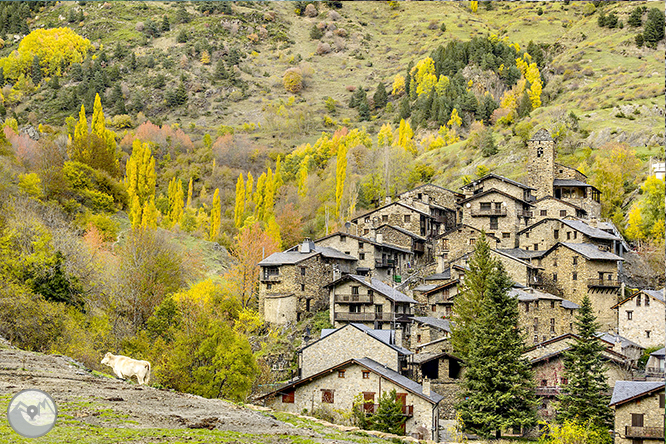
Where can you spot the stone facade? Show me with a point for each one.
(541, 163)
(550, 207)
(585, 197)
(546, 233)
(419, 245)
(422, 333)
(574, 275)
(437, 302)
(432, 194)
(650, 409)
(640, 318)
(399, 215)
(458, 242)
(334, 349)
(492, 181)
(543, 316)
(520, 271)
(341, 390)
(443, 371)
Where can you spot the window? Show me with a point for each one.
(647, 300)
(506, 235)
(552, 304)
(555, 262)
(536, 305)
(366, 374)
(370, 292)
(384, 217)
(355, 289)
(354, 308)
(360, 245)
(288, 398)
(539, 151)
(556, 234)
(302, 287)
(302, 271)
(647, 334)
(568, 235)
(552, 325)
(536, 247)
(366, 231)
(536, 339)
(574, 276)
(563, 213)
(575, 260)
(485, 206)
(527, 307)
(554, 277)
(471, 241)
(433, 307)
(575, 234)
(543, 213)
(544, 383)
(419, 196)
(638, 300)
(418, 338)
(327, 396)
(661, 401)
(407, 218)
(361, 256)
(527, 235)
(494, 223)
(341, 373)
(630, 315)
(564, 381)
(343, 238)
(269, 286)
(637, 419)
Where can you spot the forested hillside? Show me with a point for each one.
(154, 152)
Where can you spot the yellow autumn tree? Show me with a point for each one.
(215, 215)
(302, 177)
(176, 198)
(140, 180)
(474, 6)
(340, 177)
(189, 195)
(423, 74)
(205, 58)
(398, 85)
(405, 138)
(239, 208)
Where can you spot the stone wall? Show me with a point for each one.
(510, 223)
(432, 194)
(422, 334)
(537, 317)
(336, 348)
(540, 166)
(517, 269)
(281, 309)
(461, 241)
(396, 215)
(308, 397)
(543, 236)
(553, 208)
(643, 318)
(366, 308)
(649, 407)
(565, 172)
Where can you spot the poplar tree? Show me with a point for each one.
(176, 201)
(340, 176)
(586, 395)
(215, 215)
(140, 180)
(239, 208)
(269, 195)
(497, 390)
(249, 187)
(189, 195)
(259, 197)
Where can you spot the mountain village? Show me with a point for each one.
(390, 280)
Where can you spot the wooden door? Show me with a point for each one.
(369, 402)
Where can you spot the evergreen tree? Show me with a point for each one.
(166, 26)
(404, 111)
(636, 18)
(363, 109)
(381, 96)
(2, 76)
(487, 145)
(132, 62)
(182, 36)
(497, 390)
(654, 27)
(221, 72)
(36, 71)
(586, 395)
(389, 417)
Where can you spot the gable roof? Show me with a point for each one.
(562, 202)
(657, 294)
(383, 336)
(494, 190)
(463, 226)
(375, 285)
(522, 254)
(441, 324)
(612, 337)
(626, 391)
(388, 205)
(560, 338)
(498, 177)
(569, 168)
(571, 183)
(659, 353)
(429, 185)
(577, 225)
(422, 358)
(441, 286)
(403, 231)
(369, 364)
(542, 135)
(526, 294)
(363, 239)
(293, 256)
(590, 251)
(514, 258)
(446, 274)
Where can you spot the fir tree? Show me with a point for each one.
(487, 146)
(132, 62)
(221, 72)
(381, 96)
(654, 27)
(636, 18)
(586, 395)
(389, 417)
(404, 111)
(36, 71)
(497, 391)
(363, 109)
(166, 26)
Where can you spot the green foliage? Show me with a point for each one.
(585, 397)
(315, 32)
(94, 188)
(636, 17)
(176, 97)
(381, 96)
(575, 432)
(388, 418)
(487, 144)
(654, 27)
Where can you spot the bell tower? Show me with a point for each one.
(541, 163)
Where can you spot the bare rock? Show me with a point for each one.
(310, 10)
(334, 15)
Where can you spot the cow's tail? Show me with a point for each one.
(147, 379)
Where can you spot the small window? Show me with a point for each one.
(361, 256)
(574, 276)
(366, 374)
(355, 289)
(527, 235)
(568, 235)
(433, 307)
(327, 396)
(384, 217)
(302, 287)
(536, 339)
(494, 224)
(575, 234)
(269, 286)
(647, 300)
(554, 277)
(288, 398)
(630, 315)
(302, 271)
(360, 245)
(418, 338)
(544, 383)
(563, 213)
(407, 218)
(472, 241)
(556, 234)
(647, 334)
(527, 307)
(536, 247)
(341, 373)
(543, 212)
(552, 325)
(343, 238)
(638, 300)
(564, 381)
(506, 235)
(367, 219)
(536, 305)
(661, 401)
(366, 231)
(370, 292)
(485, 206)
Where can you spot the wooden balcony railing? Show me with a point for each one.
(525, 213)
(547, 391)
(490, 212)
(363, 317)
(644, 432)
(384, 263)
(271, 278)
(353, 298)
(611, 283)
(654, 370)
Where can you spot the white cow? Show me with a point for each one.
(125, 367)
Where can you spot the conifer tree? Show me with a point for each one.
(586, 395)
(389, 417)
(405, 110)
(497, 390)
(340, 176)
(381, 96)
(654, 27)
(636, 18)
(239, 208)
(36, 71)
(215, 215)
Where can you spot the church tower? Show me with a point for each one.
(541, 163)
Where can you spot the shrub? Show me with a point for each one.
(316, 33)
(442, 27)
(292, 80)
(121, 121)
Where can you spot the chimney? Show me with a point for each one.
(398, 337)
(368, 277)
(617, 347)
(426, 387)
(379, 238)
(593, 222)
(409, 201)
(387, 200)
(307, 246)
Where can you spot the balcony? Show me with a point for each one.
(271, 278)
(477, 212)
(407, 410)
(654, 370)
(384, 263)
(547, 392)
(363, 317)
(605, 283)
(353, 299)
(525, 213)
(644, 432)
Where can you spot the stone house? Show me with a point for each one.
(335, 388)
(551, 207)
(397, 214)
(497, 213)
(433, 194)
(458, 242)
(639, 412)
(427, 329)
(420, 247)
(369, 301)
(549, 231)
(384, 260)
(624, 346)
(547, 359)
(553, 179)
(436, 300)
(573, 269)
(493, 181)
(655, 364)
(640, 318)
(443, 371)
(543, 316)
(353, 341)
(292, 282)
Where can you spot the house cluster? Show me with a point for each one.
(392, 275)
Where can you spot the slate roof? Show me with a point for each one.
(426, 287)
(561, 201)
(626, 391)
(509, 256)
(591, 251)
(570, 183)
(464, 226)
(378, 286)
(529, 295)
(657, 294)
(612, 337)
(589, 231)
(388, 205)
(383, 336)
(397, 378)
(446, 274)
(658, 353)
(293, 256)
(494, 190)
(364, 239)
(498, 177)
(442, 324)
(542, 135)
(519, 253)
(403, 231)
